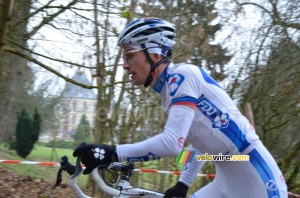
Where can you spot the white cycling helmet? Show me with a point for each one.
(145, 30)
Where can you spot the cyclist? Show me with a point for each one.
(199, 111)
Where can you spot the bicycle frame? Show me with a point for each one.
(122, 188)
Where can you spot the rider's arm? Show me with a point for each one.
(168, 143)
(191, 169)
(184, 91)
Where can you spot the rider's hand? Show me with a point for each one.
(93, 155)
(179, 190)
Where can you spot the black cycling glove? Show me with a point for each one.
(179, 190)
(93, 155)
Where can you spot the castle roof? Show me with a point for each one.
(75, 91)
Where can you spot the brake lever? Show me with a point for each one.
(58, 179)
(78, 168)
(64, 166)
(59, 175)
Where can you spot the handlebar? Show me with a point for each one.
(75, 171)
(103, 186)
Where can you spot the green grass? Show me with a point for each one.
(45, 154)
(49, 154)
(40, 154)
(158, 182)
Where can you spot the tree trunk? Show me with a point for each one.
(6, 7)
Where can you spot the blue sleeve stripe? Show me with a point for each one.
(265, 173)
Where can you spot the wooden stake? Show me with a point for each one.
(249, 113)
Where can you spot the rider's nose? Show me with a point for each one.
(125, 66)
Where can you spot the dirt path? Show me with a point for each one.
(14, 186)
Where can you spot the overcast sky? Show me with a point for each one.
(51, 42)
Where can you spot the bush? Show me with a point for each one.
(27, 133)
(83, 130)
(41, 143)
(61, 144)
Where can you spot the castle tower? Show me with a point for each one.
(78, 101)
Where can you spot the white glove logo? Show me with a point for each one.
(99, 153)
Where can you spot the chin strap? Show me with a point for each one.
(154, 66)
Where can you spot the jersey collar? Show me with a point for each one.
(161, 81)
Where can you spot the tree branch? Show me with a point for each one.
(19, 53)
(257, 5)
(47, 20)
(37, 11)
(274, 15)
(54, 59)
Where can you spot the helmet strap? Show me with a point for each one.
(152, 65)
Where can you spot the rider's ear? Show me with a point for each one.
(156, 57)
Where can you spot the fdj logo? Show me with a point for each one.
(148, 157)
(218, 119)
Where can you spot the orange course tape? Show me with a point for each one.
(138, 170)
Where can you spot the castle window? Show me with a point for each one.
(79, 107)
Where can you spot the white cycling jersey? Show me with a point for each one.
(215, 127)
(218, 125)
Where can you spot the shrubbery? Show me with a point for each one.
(61, 144)
(27, 133)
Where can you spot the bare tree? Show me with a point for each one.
(268, 78)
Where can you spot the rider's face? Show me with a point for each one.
(137, 65)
